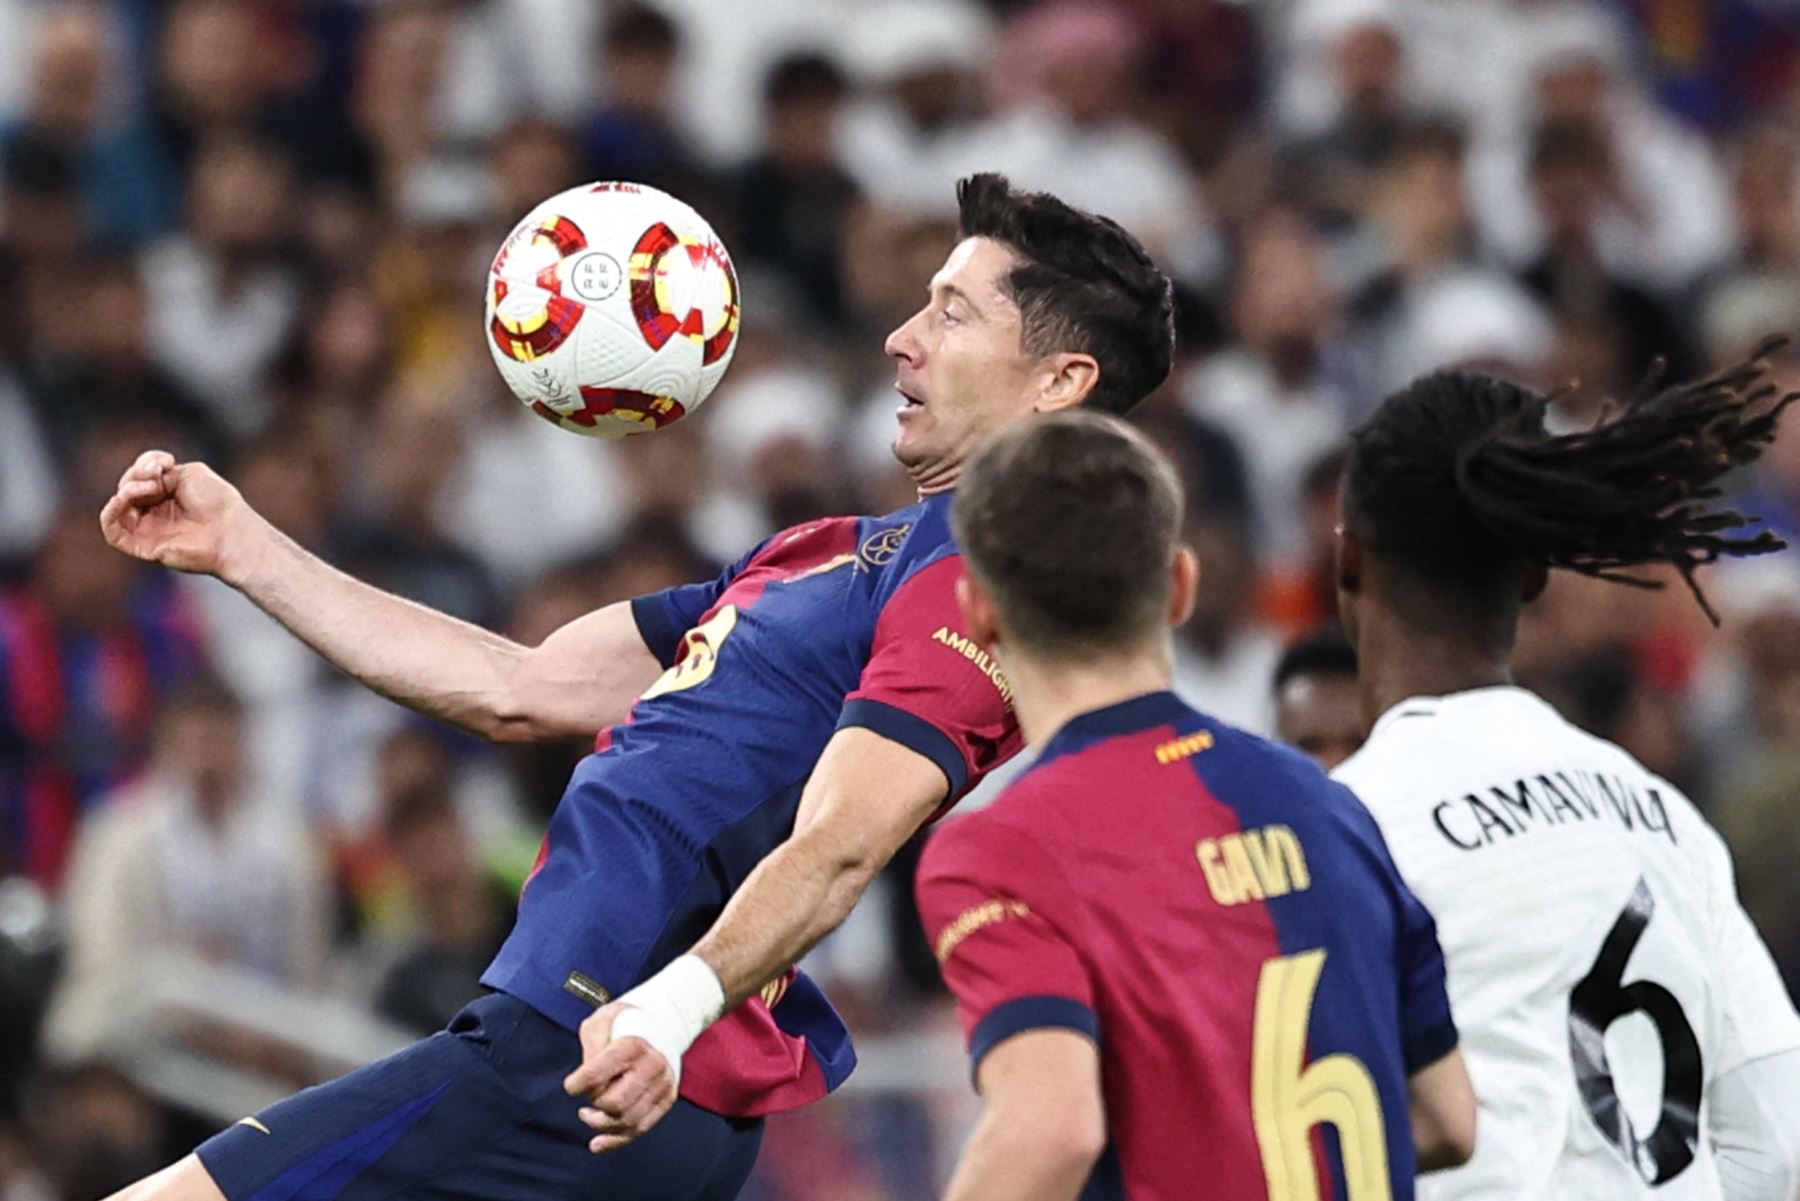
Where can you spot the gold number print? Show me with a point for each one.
(698, 655)
(1289, 1096)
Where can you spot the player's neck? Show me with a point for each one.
(1397, 662)
(1047, 695)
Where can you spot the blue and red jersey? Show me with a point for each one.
(76, 710)
(1227, 925)
(848, 621)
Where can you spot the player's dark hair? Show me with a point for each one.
(1324, 652)
(1456, 480)
(640, 29)
(1071, 521)
(1082, 284)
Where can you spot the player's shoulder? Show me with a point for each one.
(1246, 763)
(911, 546)
(913, 536)
(1004, 839)
(1422, 741)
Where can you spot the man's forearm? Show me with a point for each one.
(443, 667)
(793, 899)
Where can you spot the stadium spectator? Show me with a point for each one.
(94, 364)
(794, 199)
(1224, 655)
(222, 303)
(633, 133)
(1317, 707)
(917, 64)
(1273, 389)
(1068, 83)
(399, 539)
(464, 912)
(184, 863)
(1572, 174)
(87, 645)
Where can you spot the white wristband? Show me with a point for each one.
(672, 1008)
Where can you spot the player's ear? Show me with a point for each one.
(1349, 561)
(1184, 585)
(980, 619)
(1067, 381)
(1537, 578)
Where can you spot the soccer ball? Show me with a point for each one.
(612, 309)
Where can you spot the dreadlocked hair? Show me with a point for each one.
(1457, 478)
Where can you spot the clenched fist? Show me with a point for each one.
(181, 515)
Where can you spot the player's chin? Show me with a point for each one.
(913, 447)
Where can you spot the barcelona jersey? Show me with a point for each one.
(840, 622)
(1227, 925)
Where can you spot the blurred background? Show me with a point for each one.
(256, 231)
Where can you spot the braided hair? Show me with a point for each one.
(1456, 478)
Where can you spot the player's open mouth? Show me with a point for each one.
(908, 400)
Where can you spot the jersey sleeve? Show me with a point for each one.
(982, 893)
(932, 689)
(1427, 1029)
(664, 617)
(1757, 1018)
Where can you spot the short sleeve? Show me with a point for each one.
(1002, 953)
(931, 688)
(664, 617)
(1757, 1017)
(1427, 1029)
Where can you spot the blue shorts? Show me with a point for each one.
(476, 1113)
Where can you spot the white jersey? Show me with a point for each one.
(1600, 969)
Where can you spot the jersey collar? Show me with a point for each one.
(1142, 712)
(1430, 706)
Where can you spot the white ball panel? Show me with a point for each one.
(607, 348)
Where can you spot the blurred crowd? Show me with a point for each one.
(255, 231)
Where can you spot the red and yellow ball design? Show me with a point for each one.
(612, 309)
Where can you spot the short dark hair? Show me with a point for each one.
(200, 694)
(640, 29)
(1456, 480)
(1324, 652)
(1082, 284)
(805, 77)
(1567, 142)
(1070, 520)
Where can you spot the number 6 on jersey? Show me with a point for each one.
(1290, 1096)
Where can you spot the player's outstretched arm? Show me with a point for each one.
(583, 677)
(865, 798)
(1043, 1124)
(1443, 1113)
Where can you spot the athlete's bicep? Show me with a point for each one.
(866, 797)
(662, 618)
(584, 676)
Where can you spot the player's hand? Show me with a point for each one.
(629, 1085)
(181, 515)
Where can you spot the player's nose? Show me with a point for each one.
(903, 343)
